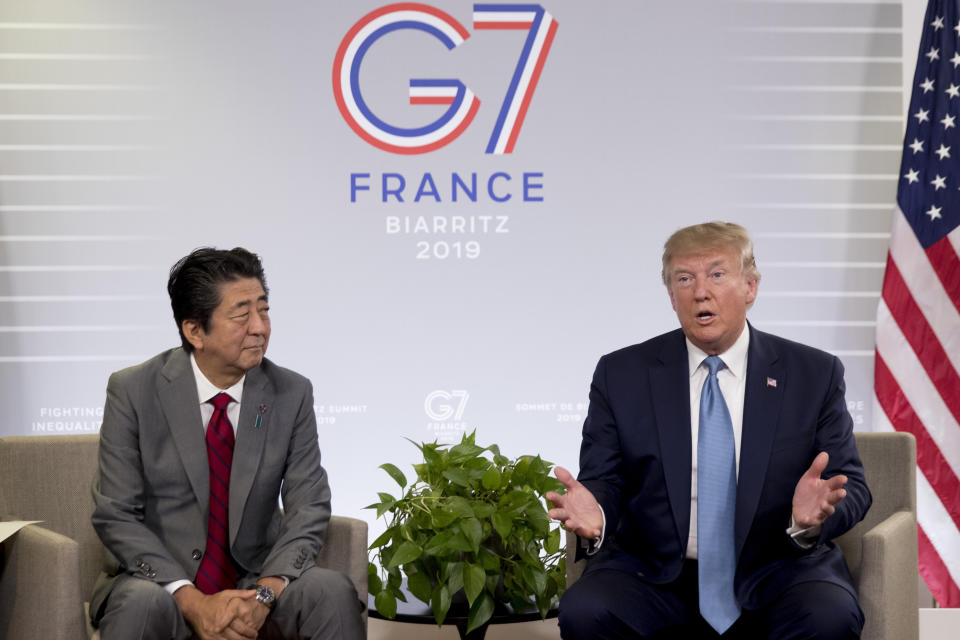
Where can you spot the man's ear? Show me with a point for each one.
(194, 333)
(752, 286)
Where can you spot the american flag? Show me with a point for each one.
(916, 377)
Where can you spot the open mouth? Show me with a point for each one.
(705, 316)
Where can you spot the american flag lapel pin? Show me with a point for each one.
(262, 409)
(771, 382)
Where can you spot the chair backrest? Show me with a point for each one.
(890, 467)
(48, 478)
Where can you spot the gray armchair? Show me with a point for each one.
(881, 551)
(48, 569)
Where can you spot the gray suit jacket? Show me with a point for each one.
(152, 491)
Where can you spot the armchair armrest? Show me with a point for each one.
(574, 567)
(345, 550)
(40, 587)
(888, 572)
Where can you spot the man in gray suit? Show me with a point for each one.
(197, 446)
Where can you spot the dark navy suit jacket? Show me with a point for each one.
(636, 460)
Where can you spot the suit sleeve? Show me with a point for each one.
(118, 494)
(835, 436)
(306, 499)
(600, 455)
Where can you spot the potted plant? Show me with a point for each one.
(473, 525)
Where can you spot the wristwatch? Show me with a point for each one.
(266, 595)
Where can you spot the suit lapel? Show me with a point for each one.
(258, 396)
(670, 387)
(177, 390)
(763, 396)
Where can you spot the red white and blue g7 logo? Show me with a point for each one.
(462, 103)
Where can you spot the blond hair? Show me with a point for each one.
(723, 236)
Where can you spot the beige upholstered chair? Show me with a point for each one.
(48, 569)
(881, 551)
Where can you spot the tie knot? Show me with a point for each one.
(714, 363)
(221, 400)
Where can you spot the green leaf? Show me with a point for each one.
(420, 587)
(383, 538)
(438, 542)
(386, 504)
(543, 605)
(440, 603)
(473, 532)
(386, 497)
(463, 452)
(503, 523)
(455, 579)
(458, 542)
(480, 612)
(394, 579)
(374, 584)
(442, 518)
(386, 604)
(483, 509)
(489, 561)
(457, 476)
(430, 454)
(536, 579)
(552, 543)
(406, 552)
(460, 506)
(395, 473)
(520, 470)
(552, 484)
(514, 501)
(473, 581)
(538, 518)
(491, 479)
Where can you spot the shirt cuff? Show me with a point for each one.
(172, 587)
(805, 538)
(593, 546)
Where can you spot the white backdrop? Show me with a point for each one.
(131, 133)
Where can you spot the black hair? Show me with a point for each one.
(194, 284)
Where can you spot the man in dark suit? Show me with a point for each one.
(197, 446)
(717, 463)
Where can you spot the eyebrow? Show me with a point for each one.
(246, 303)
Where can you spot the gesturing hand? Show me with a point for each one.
(815, 497)
(577, 509)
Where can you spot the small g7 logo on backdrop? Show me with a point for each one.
(438, 404)
(463, 104)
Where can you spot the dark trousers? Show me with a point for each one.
(608, 603)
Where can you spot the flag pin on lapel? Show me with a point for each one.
(262, 409)
(771, 382)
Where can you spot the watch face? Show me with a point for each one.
(265, 595)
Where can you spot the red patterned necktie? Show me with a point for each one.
(217, 571)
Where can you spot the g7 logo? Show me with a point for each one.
(443, 411)
(463, 104)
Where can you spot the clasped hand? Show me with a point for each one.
(577, 509)
(231, 614)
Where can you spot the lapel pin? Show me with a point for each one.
(771, 382)
(262, 409)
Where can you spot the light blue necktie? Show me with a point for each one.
(716, 505)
